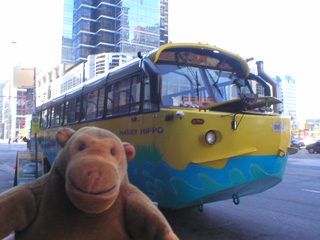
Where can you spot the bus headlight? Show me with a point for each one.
(210, 137)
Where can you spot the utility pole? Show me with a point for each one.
(34, 116)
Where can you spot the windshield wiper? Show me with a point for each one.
(194, 75)
(215, 82)
(197, 81)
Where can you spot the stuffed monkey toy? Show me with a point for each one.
(86, 195)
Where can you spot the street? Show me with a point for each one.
(8, 154)
(291, 210)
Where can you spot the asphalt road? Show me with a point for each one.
(8, 154)
(291, 210)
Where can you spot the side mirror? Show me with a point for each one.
(155, 78)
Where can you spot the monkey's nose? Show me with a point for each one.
(93, 177)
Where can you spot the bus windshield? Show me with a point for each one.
(197, 86)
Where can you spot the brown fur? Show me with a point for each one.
(86, 195)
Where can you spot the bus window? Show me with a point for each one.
(52, 117)
(100, 102)
(66, 113)
(147, 105)
(84, 107)
(44, 118)
(135, 94)
(55, 115)
(49, 124)
(183, 85)
(61, 114)
(109, 100)
(78, 108)
(122, 96)
(92, 101)
(71, 110)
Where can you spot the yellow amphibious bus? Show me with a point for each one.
(205, 129)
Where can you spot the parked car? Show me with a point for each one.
(295, 143)
(314, 147)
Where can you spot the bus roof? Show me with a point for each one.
(242, 68)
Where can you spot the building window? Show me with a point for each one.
(20, 122)
(21, 96)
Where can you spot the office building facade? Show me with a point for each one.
(288, 96)
(126, 26)
(16, 94)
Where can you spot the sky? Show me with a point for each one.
(282, 33)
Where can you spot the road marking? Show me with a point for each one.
(313, 191)
(5, 167)
(302, 174)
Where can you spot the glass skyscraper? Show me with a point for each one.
(66, 53)
(288, 96)
(128, 26)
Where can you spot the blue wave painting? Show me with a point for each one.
(198, 184)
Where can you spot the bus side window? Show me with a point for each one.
(146, 103)
(44, 118)
(78, 106)
(61, 114)
(84, 107)
(135, 94)
(109, 100)
(56, 114)
(49, 124)
(122, 96)
(66, 113)
(52, 117)
(101, 102)
(71, 110)
(92, 101)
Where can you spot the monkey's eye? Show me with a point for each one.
(82, 146)
(112, 152)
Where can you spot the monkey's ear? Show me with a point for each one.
(130, 151)
(64, 135)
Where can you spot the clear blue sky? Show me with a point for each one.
(282, 33)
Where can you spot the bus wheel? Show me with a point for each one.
(235, 199)
(200, 207)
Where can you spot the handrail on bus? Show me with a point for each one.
(268, 79)
(267, 91)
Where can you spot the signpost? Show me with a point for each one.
(35, 128)
(29, 106)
